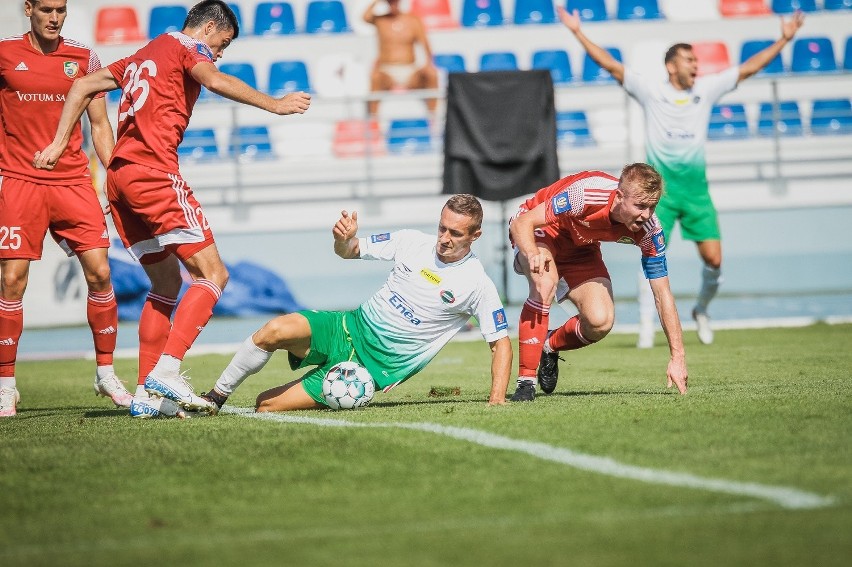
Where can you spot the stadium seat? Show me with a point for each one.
(326, 16)
(639, 10)
(728, 122)
(288, 77)
(556, 60)
(409, 136)
(435, 14)
(250, 143)
(813, 55)
(239, 14)
(449, 62)
(753, 46)
(482, 13)
(165, 19)
(498, 61)
(353, 138)
(790, 6)
(274, 18)
(243, 71)
(847, 57)
(117, 24)
(594, 73)
(113, 96)
(534, 12)
(199, 144)
(740, 8)
(838, 5)
(831, 117)
(572, 129)
(589, 10)
(712, 57)
(788, 123)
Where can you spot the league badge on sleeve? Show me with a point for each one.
(204, 50)
(500, 321)
(659, 242)
(560, 203)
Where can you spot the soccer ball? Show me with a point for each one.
(348, 385)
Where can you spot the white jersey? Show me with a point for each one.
(676, 121)
(421, 306)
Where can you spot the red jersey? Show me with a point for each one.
(577, 209)
(158, 94)
(33, 87)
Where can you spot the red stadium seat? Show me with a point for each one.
(712, 57)
(740, 8)
(351, 138)
(117, 24)
(434, 13)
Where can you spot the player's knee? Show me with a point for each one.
(597, 323)
(13, 286)
(98, 279)
(271, 336)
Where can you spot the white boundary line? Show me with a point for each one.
(783, 496)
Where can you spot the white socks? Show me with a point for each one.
(710, 280)
(248, 360)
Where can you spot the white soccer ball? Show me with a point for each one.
(348, 385)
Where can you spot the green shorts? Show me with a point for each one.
(330, 344)
(694, 210)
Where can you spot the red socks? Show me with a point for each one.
(154, 326)
(569, 336)
(11, 327)
(102, 313)
(195, 309)
(532, 331)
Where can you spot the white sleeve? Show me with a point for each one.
(490, 312)
(718, 84)
(636, 86)
(382, 245)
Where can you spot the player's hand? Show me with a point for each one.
(570, 20)
(677, 375)
(346, 226)
(791, 26)
(293, 103)
(47, 158)
(539, 262)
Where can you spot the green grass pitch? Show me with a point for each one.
(83, 484)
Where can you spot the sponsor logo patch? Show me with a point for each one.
(403, 309)
(383, 237)
(447, 296)
(560, 203)
(71, 69)
(659, 242)
(430, 277)
(500, 321)
(204, 50)
(22, 67)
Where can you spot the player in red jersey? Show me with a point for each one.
(155, 212)
(37, 70)
(556, 235)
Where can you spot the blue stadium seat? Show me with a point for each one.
(728, 122)
(239, 14)
(482, 13)
(789, 120)
(288, 77)
(753, 46)
(813, 55)
(498, 61)
(831, 117)
(113, 96)
(639, 10)
(274, 18)
(250, 143)
(165, 19)
(594, 73)
(243, 71)
(326, 16)
(572, 129)
(534, 12)
(589, 10)
(199, 144)
(838, 5)
(409, 136)
(556, 60)
(847, 57)
(450, 62)
(790, 6)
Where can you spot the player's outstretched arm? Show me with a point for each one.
(345, 233)
(102, 136)
(764, 57)
(501, 368)
(676, 372)
(237, 90)
(601, 56)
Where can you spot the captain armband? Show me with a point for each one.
(655, 267)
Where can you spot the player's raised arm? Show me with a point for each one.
(235, 89)
(345, 233)
(601, 56)
(764, 57)
(676, 370)
(501, 368)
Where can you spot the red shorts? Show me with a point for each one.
(72, 214)
(574, 264)
(155, 213)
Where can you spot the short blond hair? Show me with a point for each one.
(643, 181)
(469, 206)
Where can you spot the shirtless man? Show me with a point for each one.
(396, 65)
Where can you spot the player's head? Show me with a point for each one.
(460, 225)
(46, 18)
(681, 65)
(639, 190)
(213, 22)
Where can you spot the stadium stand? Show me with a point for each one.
(274, 18)
(752, 46)
(450, 62)
(831, 117)
(117, 24)
(594, 73)
(743, 8)
(712, 56)
(409, 136)
(239, 14)
(435, 14)
(557, 61)
(589, 10)
(847, 55)
(326, 16)
(783, 119)
(357, 138)
(638, 10)
(199, 144)
(243, 71)
(482, 13)
(790, 6)
(813, 55)
(572, 129)
(165, 19)
(249, 143)
(287, 77)
(728, 122)
(534, 12)
(838, 5)
(498, 61)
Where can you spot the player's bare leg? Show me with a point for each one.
(379, 82)
(289, 397)
(711, 278)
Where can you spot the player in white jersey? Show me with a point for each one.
(677, 115)
(431, 293)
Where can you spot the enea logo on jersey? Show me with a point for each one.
(560, 204)
(403, 309)
(500, 321)
(71, 69)
(659, 242)
(383, 237)
(204, 50)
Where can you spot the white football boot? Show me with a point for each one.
(9, 399)
(111, 387)
(147, 407)
(174, 386)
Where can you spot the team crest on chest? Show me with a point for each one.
(447, 296)
(71, 69)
